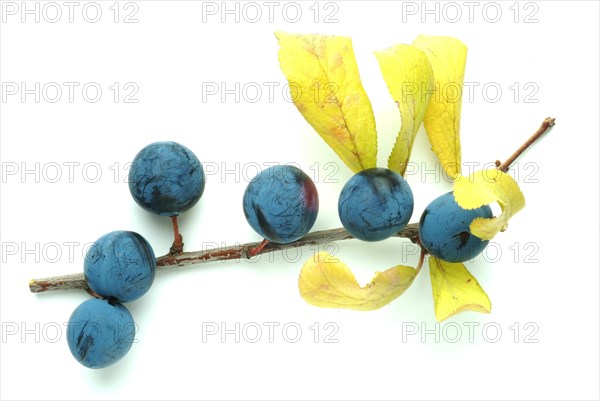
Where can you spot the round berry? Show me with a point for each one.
(444, 229)
(375, 204)
(281, 203)
(100, 333)
(166, 178)
(120, 266)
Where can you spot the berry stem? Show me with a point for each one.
(93, 293)
(177, 246)
(421, 258)
(546, 125)
(182, 259)
(256, 250)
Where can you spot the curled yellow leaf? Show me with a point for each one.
(448, 57)
(326, 88)
(326, 282)
(484, 187)
(455, 290)
(409, 78)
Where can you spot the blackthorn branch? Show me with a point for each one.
(548, 122)
(177, 258)
(243, 251)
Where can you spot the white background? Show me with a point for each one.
(172, 53)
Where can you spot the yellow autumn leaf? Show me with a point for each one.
(409, 78)
(484, 187)
(455, 290)
(326, 88)
(326, 282)
(448, 57)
